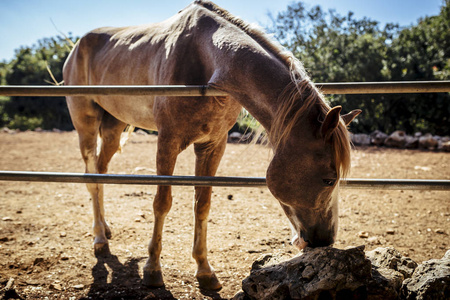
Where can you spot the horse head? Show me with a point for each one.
(304, 176)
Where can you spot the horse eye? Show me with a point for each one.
(329, 182)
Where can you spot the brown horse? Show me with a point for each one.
(204, 44)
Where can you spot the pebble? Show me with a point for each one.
(439, 231)
(363, 234)
(7, 219)
(56, 286)
(63, 234)
(78, 286)
(390, 231)
(254, 251)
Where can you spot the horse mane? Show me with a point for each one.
(299, 96)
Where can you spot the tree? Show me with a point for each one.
(29, 67)
(422, 52)
(337, 48)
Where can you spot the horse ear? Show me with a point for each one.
(331, 122)
(350, 116)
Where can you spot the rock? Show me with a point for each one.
(363, 234)
(446, 146)
(389, 258)
(430, 280)
(397, 139)
(78, 286)
(411, 142)
(360, 139)
(267, 260)
(325, 273)
(8, 292)
(330, 273)
(10, 131)
(141, 132)
(234, 137)
(385, 284)
(377, 138)
(427, 141)
(56, 286)
(390, 231)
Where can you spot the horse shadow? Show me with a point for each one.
(116, 280)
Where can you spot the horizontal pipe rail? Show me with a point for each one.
(110, 90)
(351, 183)
(204, 90)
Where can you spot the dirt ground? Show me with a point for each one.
(45, 228)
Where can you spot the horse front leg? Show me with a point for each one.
(166, 157)
(207, 162)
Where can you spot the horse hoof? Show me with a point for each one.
(101, 250)
(209, 282)
(153, 279)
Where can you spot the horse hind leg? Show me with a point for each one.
(110, 132)
(87, 118)
(208, 157)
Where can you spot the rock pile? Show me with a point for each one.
(330, 273)
(399, 139)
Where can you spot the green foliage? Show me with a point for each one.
(338, 48)
(29, 67)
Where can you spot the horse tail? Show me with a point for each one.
(125, 137)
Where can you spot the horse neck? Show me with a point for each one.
(255, 82)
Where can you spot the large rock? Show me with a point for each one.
(430, 280)
(360, 139)
(319, 273)
(330, 273)
(427, 141)
(389, 258)
(378, 138)
(446, 146)
(385, 284)
(397, 139)
(411, 142)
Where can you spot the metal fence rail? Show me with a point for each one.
(390, 184)
(204, 90)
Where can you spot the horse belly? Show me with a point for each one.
(136, 110)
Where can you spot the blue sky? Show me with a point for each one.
(23, 22)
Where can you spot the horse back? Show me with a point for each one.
(166, 53)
